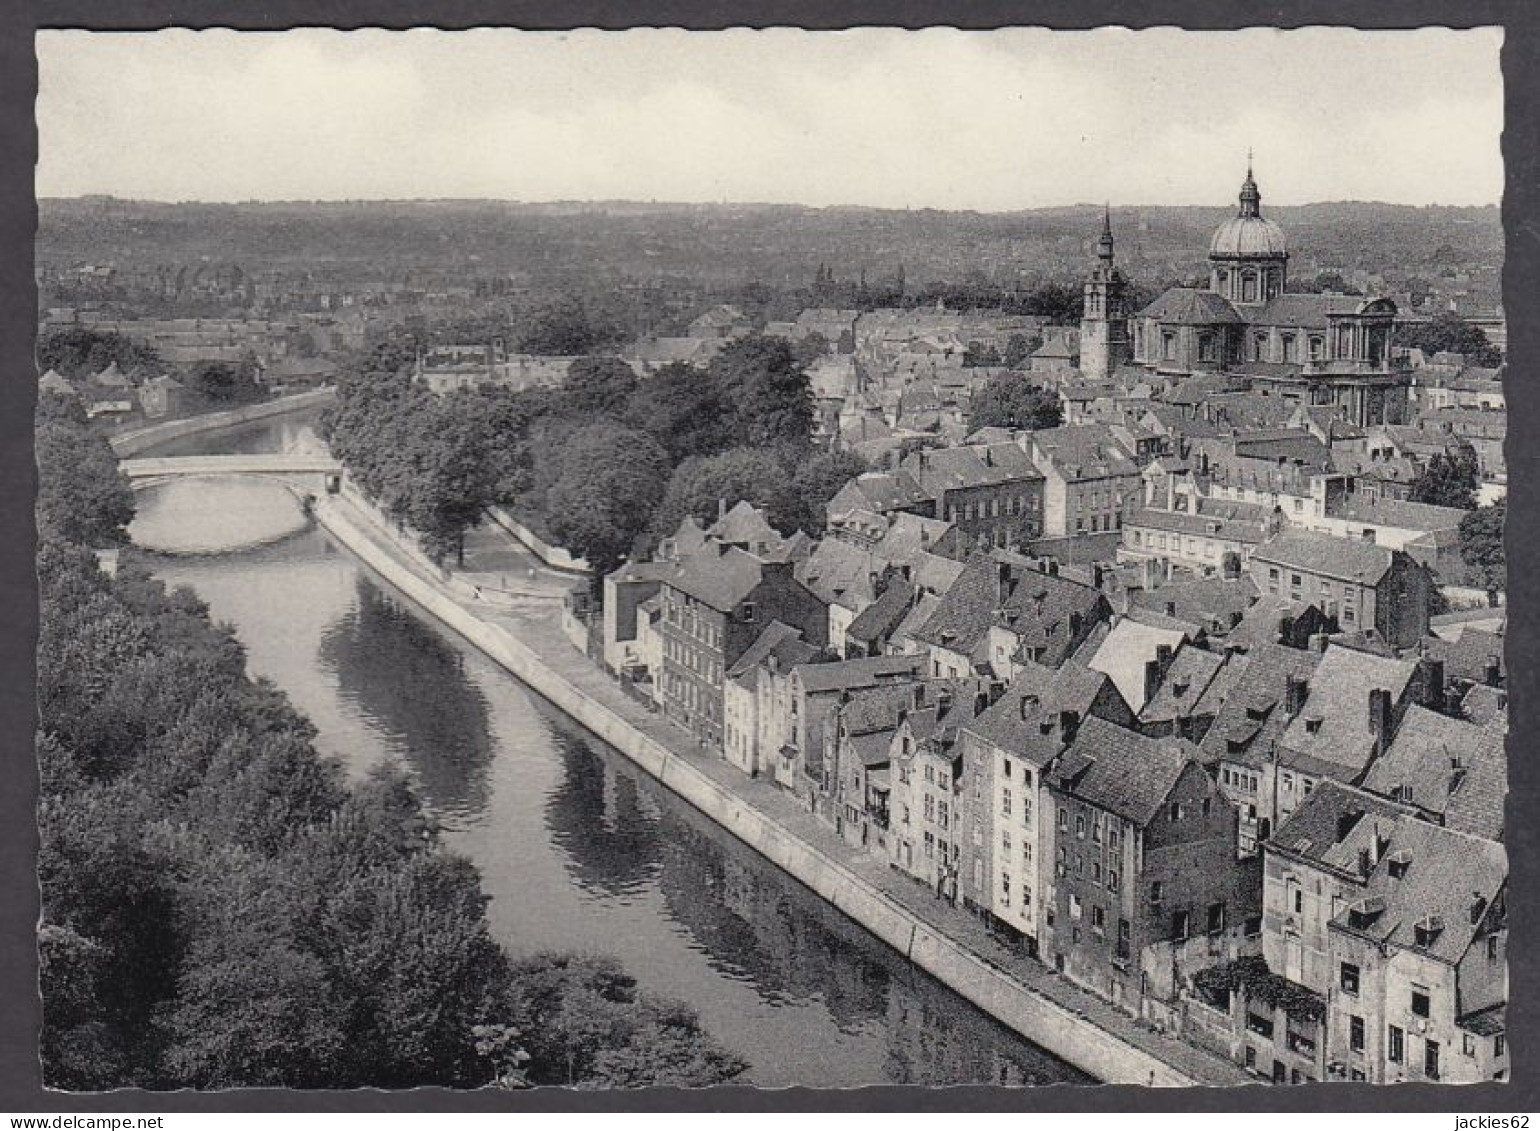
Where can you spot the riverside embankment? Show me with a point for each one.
(937, 939)
(140, 440)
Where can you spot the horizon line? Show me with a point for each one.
(600, 202)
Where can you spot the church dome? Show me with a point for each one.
(1247, 235)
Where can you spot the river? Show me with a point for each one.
(579, 850)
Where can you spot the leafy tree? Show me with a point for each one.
(771, 392)
(597, 386)
(76, 351)
(685, 411)
(224, 383)
(1448, 481)
(1447, 332)
(977, 356)
(1058, 302)
(82, 497)
(1018, 349)
(817, 480)
(701, 485)
(589, 1026)
(1008, 401)
(1481, 547)
(605, 483)
(565, 326)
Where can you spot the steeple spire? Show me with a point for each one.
(1104, 244)
(1251, 198)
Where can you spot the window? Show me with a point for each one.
(1349, 978)
(1179, 925)
(1216, 918)
(1155, 892)
(1430, 1060)
(1005, 841)
(1176, 811)
(1005, 888)
(1124, 948)
(1080, 825)
(1395, 1047)
(1299, 901)
(1468, 1043)
(1112, 838)
(1420, 1005)
(1356, 1034)
(1098, 919)
(1096, 872)
(1112, 880)
(1005, 803)
(1499, 1044)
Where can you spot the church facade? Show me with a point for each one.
(1326, 350)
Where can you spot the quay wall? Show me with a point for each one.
(1035, 1017)
(136, 441)
(553, 556)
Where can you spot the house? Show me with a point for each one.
(1180, 705)
(1136, 656)
(723, 322)
(1090, 483)
(814, 692)
(626, 589)
(1146, 885)
(716, 603)
(162, 396)
(756, 690)
(1006, 867)
(926, 783)
(991, 493)
(1059, 356)
(858, 747)
(1362, 584)
(1453, 772)
(880, 493)
(1002, 612)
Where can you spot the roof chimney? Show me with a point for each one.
(1433, 683)
(1492, 674)
(1295, 692)
(1171, 608)
(1380, 724)
(1002, 584)
(721, 509)
(1028, 706)
(1151, 680)
(1069, 724)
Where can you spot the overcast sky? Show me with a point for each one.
(940, 118)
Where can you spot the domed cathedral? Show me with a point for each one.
(1104, 325)
(1326, 350)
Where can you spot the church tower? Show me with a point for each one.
(1104, 323)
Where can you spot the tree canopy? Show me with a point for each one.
(1448, 481)
(1008, 401)
(1452, 334)
(1481, 547)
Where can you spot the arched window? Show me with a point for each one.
(1205, 347)
(1259, 347)
(1249, 287)
(1317, 347)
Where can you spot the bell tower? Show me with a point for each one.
(1104, 320)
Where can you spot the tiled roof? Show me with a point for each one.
(1197, 390)
(1332, 822)
(768, 641)
(1192, 670)
(1482, 704)
(1251, 717)
(1428, 873)
(1262, 623)
(1345, 559)
(839, 573)
(1245, 530)
(1036, 607)
(1399, 512)
(1306, 311)
(744, 524)
(847, 675)
(1032, 732)
(1477, 804)
(1332, 731)
(1467, 658)
(1210, 601)
(1426, 763)
(1128, 647)
(718, 581)
(883, 615)
(1122, 772)
(1190, 306)
(1084, 451)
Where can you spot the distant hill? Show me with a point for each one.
(775, 244)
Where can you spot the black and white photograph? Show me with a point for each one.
(773, 558)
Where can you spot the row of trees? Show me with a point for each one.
(221, 909)
(605, 465)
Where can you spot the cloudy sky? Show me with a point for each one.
(940, 118)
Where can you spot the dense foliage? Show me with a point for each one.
(1481, 547)
(77, 352)
(1010, 401)
(1447, 332)
(220, 908)
(1250, 975)
(1448, 480)
(598, 464)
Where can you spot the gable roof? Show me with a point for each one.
(1122, 772)
(1025, 720)
(1190, 306)
(1210, 601)
(847, 675)
(1332, 823)
(1251, 717)
(1128, 647)
(1430, 760)
(1332, 732)
(719, 581)
(767, 642)
(1346, 559)
(1188, 677)
(883, 615)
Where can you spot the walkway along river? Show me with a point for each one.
(578, 848)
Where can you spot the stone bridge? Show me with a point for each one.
(303, 474)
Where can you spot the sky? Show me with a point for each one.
(990, 121)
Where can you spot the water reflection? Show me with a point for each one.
(292, 432)
(413, 685)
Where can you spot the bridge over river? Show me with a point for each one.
(298, 471)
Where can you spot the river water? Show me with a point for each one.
(578, 850)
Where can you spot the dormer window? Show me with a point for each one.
(746, 612)
(1313, 725)
(1428, 929)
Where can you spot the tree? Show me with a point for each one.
(817, 480)
(978, 356)
(589, 1026)
(76, 351)
(685, 411)
(597, 386)
(1057, 302)
(82, 497)
(605, 484)
(1452, 334)
(1008, 401)
(1018, 349)
(223, 383)
(702, 485)
(771, 392)
(1481, 547)
(1448, 481)
(565, 327)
